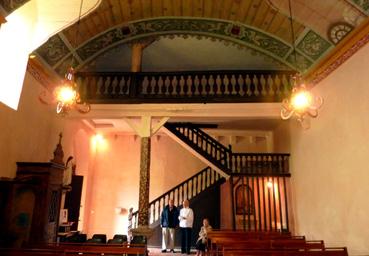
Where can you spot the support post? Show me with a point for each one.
(143, 206)
(136, 57)
(145, 130)
(232, 200)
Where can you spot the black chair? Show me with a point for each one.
(118, 239)
(78, 238)
(139, 240)
(97, 239)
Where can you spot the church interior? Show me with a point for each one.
(184, 99)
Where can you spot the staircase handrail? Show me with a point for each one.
(224, 158)
(202, 133)
(207, 169)
(224, 151)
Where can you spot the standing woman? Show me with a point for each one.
(186, 223)
(203, 237)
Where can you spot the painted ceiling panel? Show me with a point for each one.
(260, 25)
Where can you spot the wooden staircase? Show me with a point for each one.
(262, 176)
(188, 189)
(222, 158)
(259, 181)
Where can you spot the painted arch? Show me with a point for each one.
(56, 52)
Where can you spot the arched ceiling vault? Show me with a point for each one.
(262, 25)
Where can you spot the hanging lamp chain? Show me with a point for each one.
(292, 32)
(76, 36)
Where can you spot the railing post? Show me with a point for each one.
(186, 87)
(134, 85)
(229, 158)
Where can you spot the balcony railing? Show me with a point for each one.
(184, 87)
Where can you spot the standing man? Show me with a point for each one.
(168, 222)
(186, 223)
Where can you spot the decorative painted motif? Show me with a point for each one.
(105, 40)
(256, 38)
(11, 5)
(53, 50)
(240, 33)
(302, 64)
(313, 45)
(338, 31)
(319, 76)
(363, 4)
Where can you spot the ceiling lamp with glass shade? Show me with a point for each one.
(302, 103)
(65, 95)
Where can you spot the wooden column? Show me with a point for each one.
(143, 207)
(145, 130)
(137, 50)
(136, 58)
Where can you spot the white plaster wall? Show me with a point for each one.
(329, 162)
(246, 141)
(26, 134)
(282, 138)
(31, 134)
(116, 179)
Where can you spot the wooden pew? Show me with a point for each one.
(275, 244)
(288, 244)
(253, 234)
(342, 251)
(217, 240)
(219, 235)
(76, 249)
(30, 252)
(99, 249)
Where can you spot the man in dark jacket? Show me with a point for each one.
(169, 221)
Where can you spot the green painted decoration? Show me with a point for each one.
(53, 50)
(310, 48)
(313, 45)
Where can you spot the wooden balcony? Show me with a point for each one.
(237, 86)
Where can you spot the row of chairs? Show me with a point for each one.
(102, 239)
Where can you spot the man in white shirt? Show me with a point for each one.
(186, 223)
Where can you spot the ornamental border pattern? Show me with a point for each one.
(319, 76)
(363, 5)
(218, 28)
(237, 33)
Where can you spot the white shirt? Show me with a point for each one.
(186, 218)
